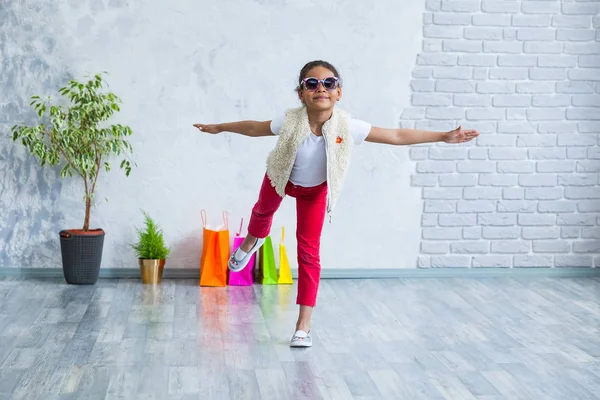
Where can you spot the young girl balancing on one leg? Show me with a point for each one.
(309, 163)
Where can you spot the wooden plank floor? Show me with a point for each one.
(496, 338)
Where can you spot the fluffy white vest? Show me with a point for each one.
(295, 130)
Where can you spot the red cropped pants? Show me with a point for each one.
(310, 210)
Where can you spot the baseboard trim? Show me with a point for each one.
(347, 273)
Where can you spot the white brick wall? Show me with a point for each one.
(527, 75)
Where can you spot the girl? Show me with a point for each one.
(309, 162)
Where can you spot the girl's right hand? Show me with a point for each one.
(214, 128)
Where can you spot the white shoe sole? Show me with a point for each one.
(300, 344)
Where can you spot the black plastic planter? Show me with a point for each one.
(81, 255)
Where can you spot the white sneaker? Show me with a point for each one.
(301, 339)
(239, 259)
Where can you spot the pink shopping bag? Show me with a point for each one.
(243, 277)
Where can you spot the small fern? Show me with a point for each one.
(150, 244)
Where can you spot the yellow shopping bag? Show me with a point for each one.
(285, 274)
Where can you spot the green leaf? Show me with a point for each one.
(150, 243)
(65, 171)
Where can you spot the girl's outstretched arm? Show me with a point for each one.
(406, 136)
(246, 128)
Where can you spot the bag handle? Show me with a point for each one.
(241, 224)
(226, 220)
(203, 216)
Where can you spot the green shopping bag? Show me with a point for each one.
(268, 269)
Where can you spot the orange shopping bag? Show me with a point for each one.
(215, 253)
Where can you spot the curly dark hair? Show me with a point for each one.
(313, 64)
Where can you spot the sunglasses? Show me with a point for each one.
(312, 84)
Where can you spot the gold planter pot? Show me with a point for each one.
(151, 271)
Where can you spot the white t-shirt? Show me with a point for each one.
(310, 166)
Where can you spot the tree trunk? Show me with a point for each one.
(86, 222)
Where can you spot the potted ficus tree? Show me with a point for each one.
(76, 135)
(151, 251)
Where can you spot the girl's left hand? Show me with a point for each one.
(460, 135)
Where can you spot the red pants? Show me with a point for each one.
(310, 208)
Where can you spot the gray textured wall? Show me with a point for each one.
(30, 62)
(177, 63)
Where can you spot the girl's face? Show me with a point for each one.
(323, 95)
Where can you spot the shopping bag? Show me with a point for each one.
(268, 270)
(243, 277)
(215, 253)
(285, 274)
